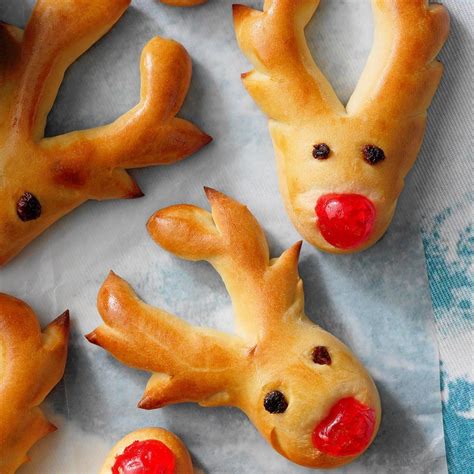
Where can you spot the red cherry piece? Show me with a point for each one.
(347, 430)
(345, 220)
(145, 457)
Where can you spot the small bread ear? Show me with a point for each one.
(187, 231)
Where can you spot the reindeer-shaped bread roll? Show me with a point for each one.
(342, 168)
(42, 179)
(148, 450)
(302, 388)
(31, 364)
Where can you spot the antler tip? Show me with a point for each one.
(216, 197)
(103, 295)
(112, 278)
(239, 11)
(197, 140)
(154, 222)
(63, 320)
(135, 192)
(138, 194)
(292, 254)
(112, 275)
(298, 246)
(147, 403)
(92, 338)
(208, 189)
(237, 6)
(160, 41)
(206, 139)
(211, 192)
(52, 428)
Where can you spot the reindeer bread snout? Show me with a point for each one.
(302, 388)
(155, 449)
(341, 169)
(31, 364)
(42, 179)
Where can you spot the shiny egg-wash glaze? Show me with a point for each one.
(31, 364)
(42, 179)
(303, 389)
(341, 169)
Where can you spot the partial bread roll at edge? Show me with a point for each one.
(31, 364)
(183, 459)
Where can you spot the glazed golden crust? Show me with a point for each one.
(387, 109)
(31, 364)
(183, 459)
(63, 172)
(271, 352)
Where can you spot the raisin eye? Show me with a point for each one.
(373, 154)
(275, 402)
(321, 151)
(28, 207)
(320, 355)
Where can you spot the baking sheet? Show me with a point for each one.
(377, 302)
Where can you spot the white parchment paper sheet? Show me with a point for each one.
(377, 302)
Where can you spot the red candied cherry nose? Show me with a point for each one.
(145, 457)
(345, 220)
(347, 430)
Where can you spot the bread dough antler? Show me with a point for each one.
(31, 364)
(302, 388)
(150, 340)
(42, 179)
(341, 169)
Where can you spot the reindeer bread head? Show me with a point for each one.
(302, 388)
(42, 179)
(341, 169)
(31, 364)
(154, 449)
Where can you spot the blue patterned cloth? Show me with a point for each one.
(443, 175)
